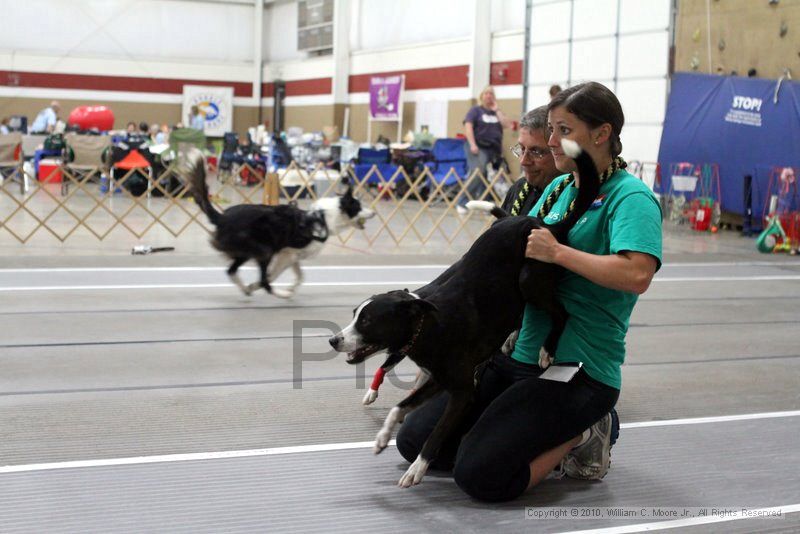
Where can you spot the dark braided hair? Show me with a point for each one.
(594, 104)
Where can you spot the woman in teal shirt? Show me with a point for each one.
(526, 426)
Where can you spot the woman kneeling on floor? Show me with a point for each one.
(523, 427)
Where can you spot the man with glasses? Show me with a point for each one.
(536, 160)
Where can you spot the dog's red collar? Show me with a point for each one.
(410, 345)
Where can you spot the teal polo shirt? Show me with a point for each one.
(625, 217)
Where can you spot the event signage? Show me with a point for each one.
(385, 97)
(745, 110)
(747, 126)
(214, 103)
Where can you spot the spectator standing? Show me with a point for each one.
(196, 119)
(483, 128)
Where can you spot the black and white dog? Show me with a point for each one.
(276, 237)
(392, 360)
(457, 322)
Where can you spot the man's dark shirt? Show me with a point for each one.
(511, 196)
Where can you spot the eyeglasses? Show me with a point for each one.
(520, 151)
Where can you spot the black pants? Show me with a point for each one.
(516, 417)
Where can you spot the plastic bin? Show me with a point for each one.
(50, 171)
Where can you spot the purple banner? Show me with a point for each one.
(385, 93)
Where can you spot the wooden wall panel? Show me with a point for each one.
(751, 31)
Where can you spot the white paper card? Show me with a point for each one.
(561, 373)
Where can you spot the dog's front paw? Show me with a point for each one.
(545, 359)
(382, 441)
(282, 293)
(414, 475)
(385, 434)
(249, 289)
(370, 397)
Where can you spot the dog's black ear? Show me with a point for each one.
(406, 290)
(420, 307)
(345, 180)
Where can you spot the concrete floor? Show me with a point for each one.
(144, 393)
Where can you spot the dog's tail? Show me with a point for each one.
(588, 190)
(195, 171)
(488, 207)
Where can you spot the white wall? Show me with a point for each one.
(391, 23)
(280, 33)
(213, 41)
(381, 24)
(507, 15)
(206, 40)
(634, 66)
(422, 56)
(318, 67)
(138, 30)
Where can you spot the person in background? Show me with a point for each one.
(45, 121)
(554, 90)
(162, 135)
(130, 128)
(196, 119)
(483, 128)
(4, 129)
(536, 160)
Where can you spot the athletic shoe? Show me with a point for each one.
(614, 426)
(591, 460)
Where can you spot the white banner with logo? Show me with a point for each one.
(214, 103)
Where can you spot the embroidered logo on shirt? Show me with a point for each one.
(597, 202)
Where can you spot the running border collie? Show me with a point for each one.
(276, 237)
(457, 322)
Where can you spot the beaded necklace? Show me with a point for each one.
(520, 200)
(547, 205)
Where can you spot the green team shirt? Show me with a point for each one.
(625, 216)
